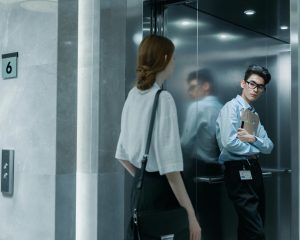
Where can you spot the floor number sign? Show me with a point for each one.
(9, 65)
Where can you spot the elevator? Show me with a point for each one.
(224, 39)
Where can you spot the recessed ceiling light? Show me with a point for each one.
(249, 12)
(227, 36)
(223, 36)
(284, 27)
(185, 23)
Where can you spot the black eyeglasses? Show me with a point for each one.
(259, 87)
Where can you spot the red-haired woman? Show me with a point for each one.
(155, 63)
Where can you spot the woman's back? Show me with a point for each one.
(165, 151)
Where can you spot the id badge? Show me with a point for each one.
(245, 175)
(167, 237)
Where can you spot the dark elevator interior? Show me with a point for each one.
(221, 37)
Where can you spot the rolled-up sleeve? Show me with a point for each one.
(263, 142)
(228, 122)
(121, 153)
(168, 152)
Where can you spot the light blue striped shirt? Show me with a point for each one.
(229, 120)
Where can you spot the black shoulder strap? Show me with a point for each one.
(145, 157)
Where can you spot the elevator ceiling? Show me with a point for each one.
(271, 17)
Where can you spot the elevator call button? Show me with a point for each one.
(7, 172)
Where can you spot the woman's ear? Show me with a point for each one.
(166, 57)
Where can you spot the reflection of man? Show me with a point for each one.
(239, 152)
(198, 136)
(201, 151)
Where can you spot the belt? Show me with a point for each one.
(232, 163)
(252, 157)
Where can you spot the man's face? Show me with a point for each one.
(253, 88)
(196, 90)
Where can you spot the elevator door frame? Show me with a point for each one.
(157, 27)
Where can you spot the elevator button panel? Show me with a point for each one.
(7, 172)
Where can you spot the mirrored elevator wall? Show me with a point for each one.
(226, 48)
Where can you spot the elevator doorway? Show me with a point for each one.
(224, 40)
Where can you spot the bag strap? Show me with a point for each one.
(145, 157)
(143, 168)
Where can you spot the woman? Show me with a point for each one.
(154, 65)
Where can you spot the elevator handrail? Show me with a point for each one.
(220, 178)
(277, 170)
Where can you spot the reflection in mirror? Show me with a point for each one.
(201, 151)
(225, 50)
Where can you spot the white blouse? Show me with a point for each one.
(165, 153)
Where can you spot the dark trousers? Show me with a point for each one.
(248, 197)
(205, 197)
(156, 194)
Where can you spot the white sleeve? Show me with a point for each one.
(263, 142)
(121, 151)
(167, 146)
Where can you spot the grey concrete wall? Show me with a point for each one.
(66, 120)
(62, 117)
(101, 94)
(112, 97)
(28, 118)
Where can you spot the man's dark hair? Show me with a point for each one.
(260, 71)
(202, 76)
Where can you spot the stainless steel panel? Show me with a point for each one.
(295, 88)
(204, 41)
(269, 16)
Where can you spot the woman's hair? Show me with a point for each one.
(154, 54)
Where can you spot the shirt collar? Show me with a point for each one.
(154, 87)
(244, 104)
(209, 98)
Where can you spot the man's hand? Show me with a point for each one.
(244, 136)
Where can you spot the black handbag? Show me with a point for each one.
(162, 224)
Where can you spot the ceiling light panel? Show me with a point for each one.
(249, 12)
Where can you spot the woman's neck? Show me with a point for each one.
(160, 78)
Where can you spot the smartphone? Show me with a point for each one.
(242, 124)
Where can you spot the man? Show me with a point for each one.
(239, 153)
(201, 152)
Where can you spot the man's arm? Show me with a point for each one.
(229, 122)
(263, 142)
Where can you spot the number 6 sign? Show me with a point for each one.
(9, 65)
